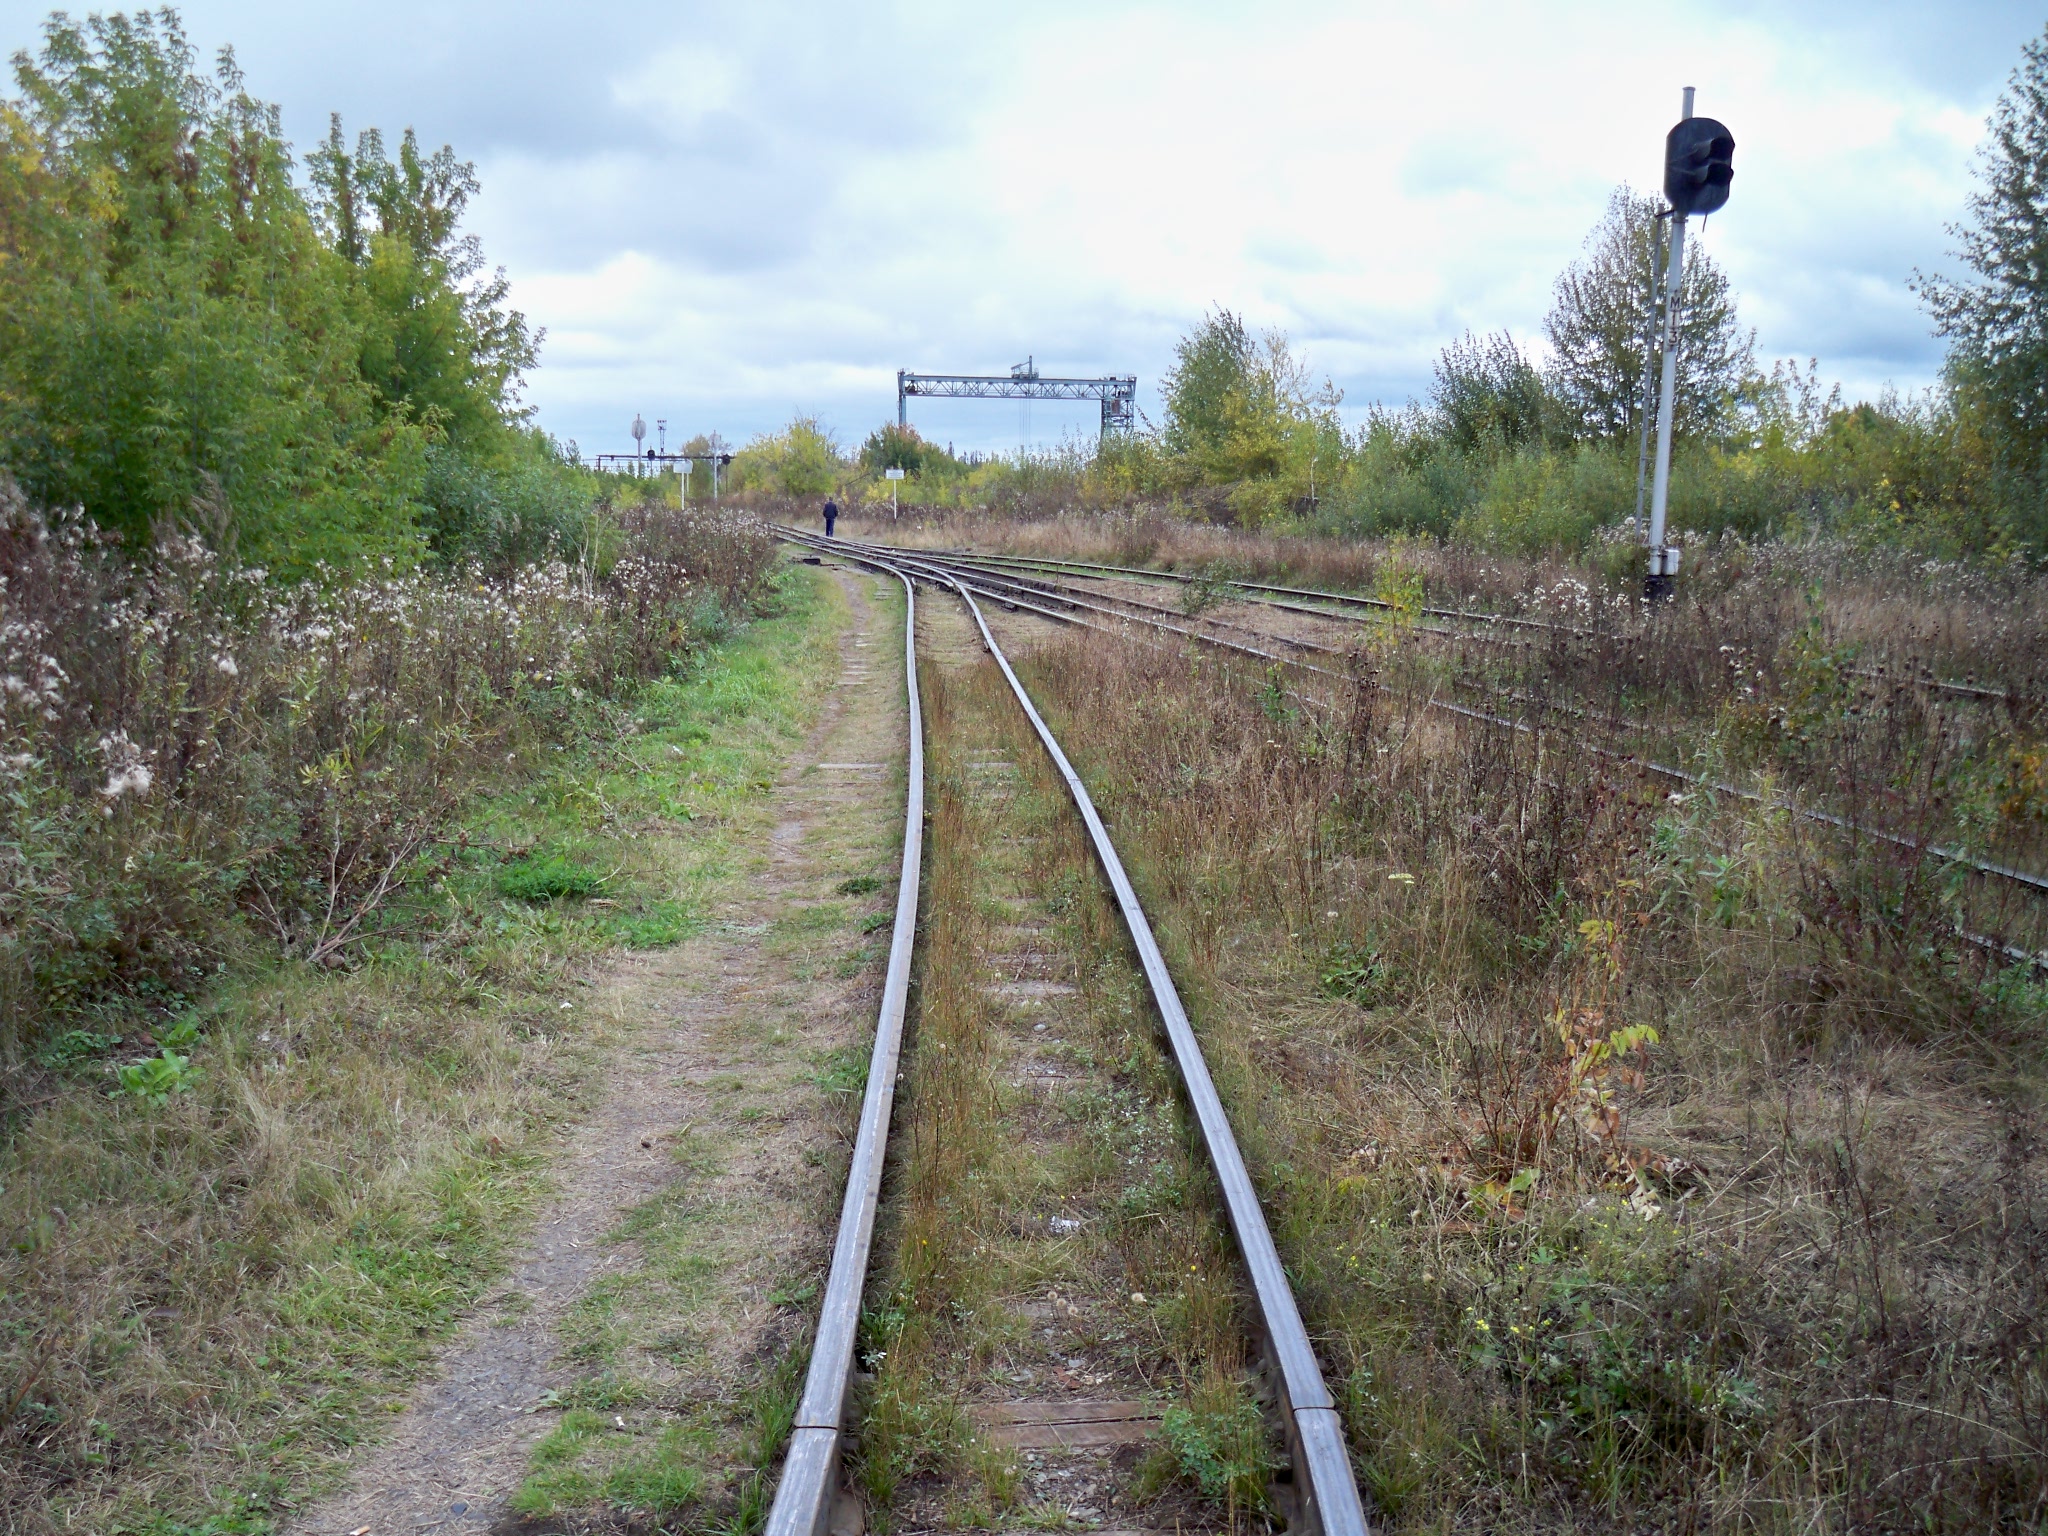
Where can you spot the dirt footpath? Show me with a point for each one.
(696, 1202)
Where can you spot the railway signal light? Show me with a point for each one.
(1699, 164)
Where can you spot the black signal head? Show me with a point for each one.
(1699, 164)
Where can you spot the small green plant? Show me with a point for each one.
(73, 1047)
(1219, 1443)
(843, 1071)
(548, 877)
(654, 925)
(1210, 586)
(170, 1071)
(859, 885)
(1356, 972)
(710, 623)
(908, 1430)
(852, 964)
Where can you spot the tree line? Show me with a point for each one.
(1525, 449)
(1516, 448)
(326, 370)
(317, 373)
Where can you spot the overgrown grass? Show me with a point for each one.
(203, 762)
(211, 1294)
(1800, 670)
(1642, 1161)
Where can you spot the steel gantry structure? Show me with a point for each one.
(1118, 393)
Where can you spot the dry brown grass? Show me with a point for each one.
(1783, 1267)
(1964, 621)
(1790, 670)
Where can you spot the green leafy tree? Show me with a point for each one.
(439, 342)
(1599, 315)
(1240, 408)
(1209, 386)
(172, 328)
(801, 460)
(1997, 319)
(891, 446)
(1488, 396)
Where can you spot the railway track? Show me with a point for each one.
(1316, 603)
(1316, 1487)
(1090, 609)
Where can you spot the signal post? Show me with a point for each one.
(1699, 164)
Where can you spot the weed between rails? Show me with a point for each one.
(945, 1127)
(1042, 1242)
(1625, 1182)
(209, 1294)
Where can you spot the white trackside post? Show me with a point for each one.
(1664, 559)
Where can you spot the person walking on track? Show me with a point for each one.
(831, 515)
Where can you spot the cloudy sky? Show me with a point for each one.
(727, 215)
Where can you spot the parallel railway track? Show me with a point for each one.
(1090, 609)
(1317, 603)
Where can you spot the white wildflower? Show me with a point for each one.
(127, 773)
(133, 780)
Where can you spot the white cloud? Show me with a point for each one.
(724, 215)
(1373, 180)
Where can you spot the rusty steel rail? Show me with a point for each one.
(1015, 595)
(1941, 851)
(1924, 679)
(1011, 565)
(1052, 588)
(1344, 599)
(810, 1473)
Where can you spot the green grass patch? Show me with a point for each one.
(548, 877)
(655, 925)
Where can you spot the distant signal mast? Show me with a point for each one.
(1117, 392)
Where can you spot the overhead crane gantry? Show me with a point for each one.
(1118, 393)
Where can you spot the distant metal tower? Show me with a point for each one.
(1118, 393)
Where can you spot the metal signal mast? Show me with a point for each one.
(1699, 165)
(1118, 394)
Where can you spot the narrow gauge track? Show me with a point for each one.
(1036, 595)
(1325, 1496)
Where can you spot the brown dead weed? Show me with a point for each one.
(1629, 1183)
